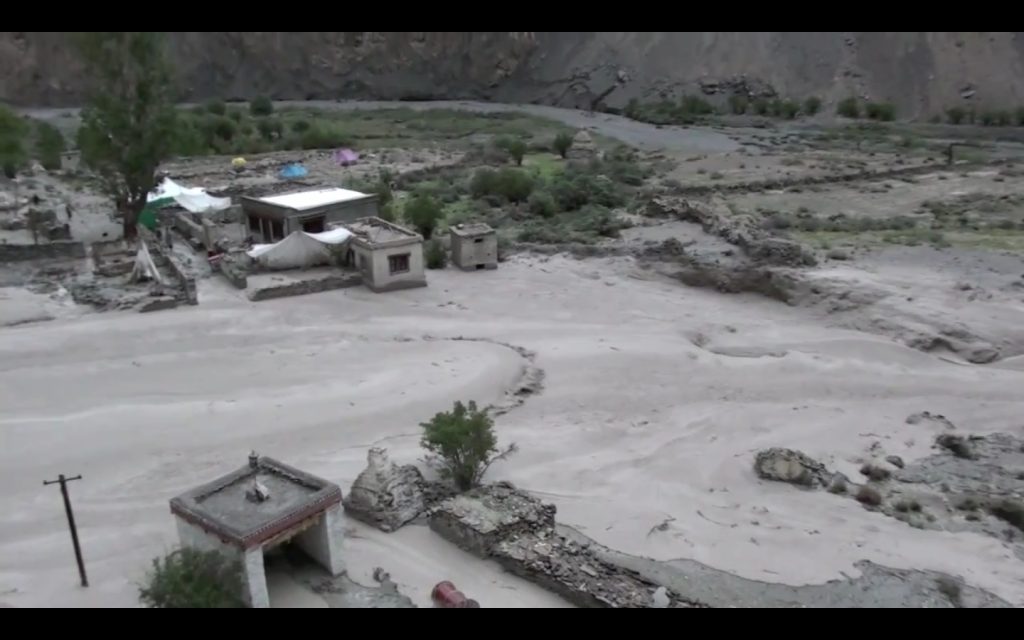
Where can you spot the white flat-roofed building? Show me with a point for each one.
(273, 218)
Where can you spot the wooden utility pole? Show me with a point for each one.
(63, 482)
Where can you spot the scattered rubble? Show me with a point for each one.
(517, 530)
(386, 495)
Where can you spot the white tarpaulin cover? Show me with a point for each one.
(297, 251)
(194, 199)
(334, 236)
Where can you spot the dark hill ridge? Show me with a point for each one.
(922, 72)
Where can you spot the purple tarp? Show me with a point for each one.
(345, 157)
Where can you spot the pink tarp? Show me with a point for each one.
(346, 157)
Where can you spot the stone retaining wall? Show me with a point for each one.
(341, 281)
(44, 251)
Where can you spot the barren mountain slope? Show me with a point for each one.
(923, 72)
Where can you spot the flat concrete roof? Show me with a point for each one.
(376, 232)
(470, 230)
(302, 200)
(221, 507)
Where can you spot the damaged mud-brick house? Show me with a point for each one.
(388, 256)
(260, 507)
(274, 218)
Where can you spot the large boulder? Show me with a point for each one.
(386, 495)
(794, 467)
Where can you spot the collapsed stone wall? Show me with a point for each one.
(517, 530)
(187, 291)
(341, 280)
(235, 267)
(45, 251)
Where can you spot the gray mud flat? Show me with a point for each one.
(876, 587)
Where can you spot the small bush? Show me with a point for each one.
(695, 105)
(599, 221)
(968, 504)
(270, 128)
(424, 212)
(300, 125)
(788, 109)
(562, 144)
(514, 147)
(236, 115)
(224, 128)
(515, 185)
(848, 108)
(907, 506)
(261, 106)
(881, 111)
(760, 106)
(987, 118)
(434, 254)
(956, 445)
(462, 444)
(542, 204)
(388, 212)
(576, 188)
(956, 115)
(812, 105)
(324, 135)
(838, 486)
(869, 497)
(50, 145)
(875, 473)
(217, 107)
(1009, 511)
(1018, 116)
(738, 104)
(483, 182)
(191, 579)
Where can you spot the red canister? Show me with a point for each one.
(446, 596)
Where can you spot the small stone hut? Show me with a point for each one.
(256, 508)
(474, 246)
(388, 256)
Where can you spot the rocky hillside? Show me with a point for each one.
(922, 72)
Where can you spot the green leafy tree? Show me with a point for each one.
(192, 579)
(129, 119)
(261, 106)
(462, 444)
(513, 184)
(424, 212)
(562, 144)
(514, 147)
(12, 142)
(49, 145)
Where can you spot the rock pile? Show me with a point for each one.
(742, 231)
(794, 467)
(386, 495)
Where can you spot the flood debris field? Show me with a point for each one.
(839, 295)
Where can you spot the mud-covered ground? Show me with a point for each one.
(806, 289)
